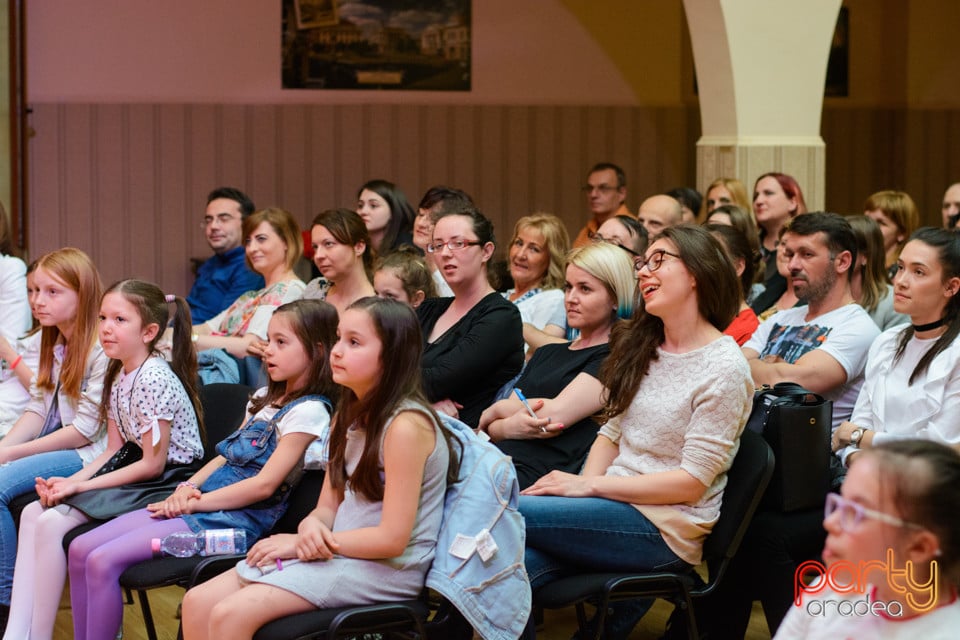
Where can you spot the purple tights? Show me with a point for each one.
(96, 561)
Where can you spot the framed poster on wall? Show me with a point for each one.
(420, 45)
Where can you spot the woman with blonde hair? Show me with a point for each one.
(562, 379)
(274, 245)
(724, 191)
(536, 263)
(898, 217)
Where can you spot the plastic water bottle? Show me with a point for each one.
(212, 542)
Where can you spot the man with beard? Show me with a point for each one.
(823, 344)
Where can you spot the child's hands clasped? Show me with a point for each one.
(315, 541)
(182, 501)
(54, 490)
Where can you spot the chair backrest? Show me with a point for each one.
(224, 407)
(303, 500)
(746, 482)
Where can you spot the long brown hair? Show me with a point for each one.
(634, 343)
(314, 322)
(75, 270)
(152, 307)
(399, 332)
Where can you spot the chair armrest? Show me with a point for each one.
(213, 566)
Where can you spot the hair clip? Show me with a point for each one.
(170, 297)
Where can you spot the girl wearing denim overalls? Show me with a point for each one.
(373, 533)
(246, 486)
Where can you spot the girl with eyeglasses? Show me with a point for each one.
(473, 342)
(678, 397)
(895, 527)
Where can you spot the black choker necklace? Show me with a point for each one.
(918, 328)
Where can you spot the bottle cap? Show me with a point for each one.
(155, 546)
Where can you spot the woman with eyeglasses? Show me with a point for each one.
(562, 380)
(344, 255)
(473, 342)
(911, 385)
(625, 232)
(891, 561)
(679, 396)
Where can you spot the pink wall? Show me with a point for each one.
(228, 51)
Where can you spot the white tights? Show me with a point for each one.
(40, 571)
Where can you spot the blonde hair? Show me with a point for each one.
(738, 193)
(284, 225)
(612, 266)
(900, 208)
(556, 238)
(75, 270)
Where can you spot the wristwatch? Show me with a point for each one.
(856, 435)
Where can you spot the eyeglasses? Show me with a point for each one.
(222, 218)
(852, 513)
(653, 262)
(604, 189)
(599, 238)
(457, 244)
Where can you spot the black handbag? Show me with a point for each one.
(796, 423)
(126, 455)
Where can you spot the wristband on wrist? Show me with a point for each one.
(16, 361)
(187, 483)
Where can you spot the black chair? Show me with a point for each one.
(746, 482)
(224, 408)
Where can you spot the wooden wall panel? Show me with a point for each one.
(128, 182)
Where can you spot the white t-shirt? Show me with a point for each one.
(894, 409)
(845, 334)
(307, 417)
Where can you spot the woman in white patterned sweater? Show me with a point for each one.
(679, 396)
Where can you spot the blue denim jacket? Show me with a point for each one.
(493, 595)
(247, 450)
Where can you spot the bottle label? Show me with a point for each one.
(219, 542)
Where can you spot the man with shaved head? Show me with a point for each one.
(659, 212)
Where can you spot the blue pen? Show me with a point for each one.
(525, 403)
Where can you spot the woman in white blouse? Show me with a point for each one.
(912, 380)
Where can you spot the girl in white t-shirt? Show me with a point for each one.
(243, 487)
